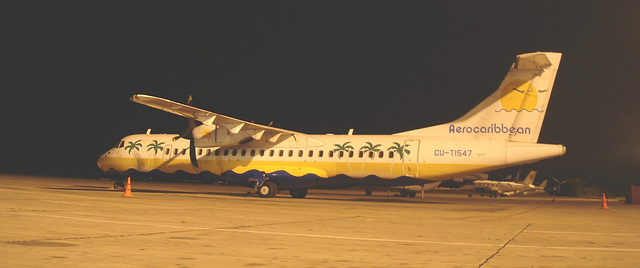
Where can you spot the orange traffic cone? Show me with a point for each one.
(604, 202)
(127, 190)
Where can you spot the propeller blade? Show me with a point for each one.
(188, 134)
(191, 124)
(192, 153)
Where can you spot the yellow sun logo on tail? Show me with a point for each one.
(519, 95)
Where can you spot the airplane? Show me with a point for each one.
(411, 190)
(458, 183)
(502, 131)
(509, 188)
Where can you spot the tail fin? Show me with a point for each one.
(543, 184)
(515, 111)
(529, 179)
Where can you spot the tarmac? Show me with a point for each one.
(64, 222)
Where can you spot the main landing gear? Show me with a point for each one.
(407, 193)
(300, 193)
(267, 190)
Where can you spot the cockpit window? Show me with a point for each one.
(120, 144)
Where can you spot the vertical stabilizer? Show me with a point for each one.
(529, 179)
(543, 184)
(515, 111)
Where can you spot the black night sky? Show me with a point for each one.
(379, 67)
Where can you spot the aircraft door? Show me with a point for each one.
(410, 158)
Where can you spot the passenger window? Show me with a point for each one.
(380, 154)
(167, 151)
(217, 152)
(360, 154)
(253, 152)
(199, 151)
(310, 153)
(390, 154)
(184, 151)
(175, 151)
(341, 154)
(290, 153)
(320, 153)
(271, 153)
(243, 152)
(330, 153)
(208, 151)
(350, 154)
(371, 154)
(261, 152)
(234, 152)
(226, 152)
(121, 144)
(300, 153)
(281, 153)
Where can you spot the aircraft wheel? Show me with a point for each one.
(267, 190)
(301, 193)
(118, 185)
(404, 193)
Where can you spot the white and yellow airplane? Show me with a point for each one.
(510, 188)
(501, 131)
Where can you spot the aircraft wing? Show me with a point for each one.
(238, 128)
(174, 107)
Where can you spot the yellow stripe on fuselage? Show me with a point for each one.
(294, 168)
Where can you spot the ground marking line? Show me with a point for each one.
(578, 248)
(354, 238)
(101, 237)
(417, 241)
(118, 222)
(503, 246)
(68, 203)
(581, 233)
(528, 210)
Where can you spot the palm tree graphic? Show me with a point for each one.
(345, 147)
(155, 146)
(133, 145)
(400, 149)
(369, 148)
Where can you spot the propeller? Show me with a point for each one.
(556, 189)
(188, 134)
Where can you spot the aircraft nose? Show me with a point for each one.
(102, 161)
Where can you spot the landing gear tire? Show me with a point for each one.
(267, 190)
(301, 193)
(404, 193)
(118, 185)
